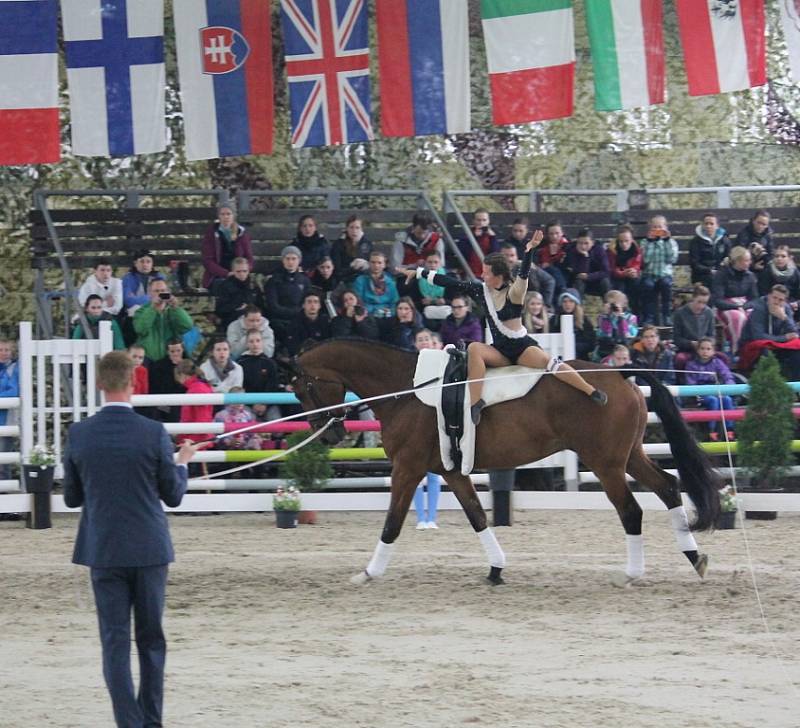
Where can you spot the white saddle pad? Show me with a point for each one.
(502, 384)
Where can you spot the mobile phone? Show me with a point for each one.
(358, 310)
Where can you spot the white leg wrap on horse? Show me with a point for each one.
(492, 548)
(635, 567)
(680, 525)
(380, 559)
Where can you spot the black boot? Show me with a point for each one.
(475, 411)
(599, 396)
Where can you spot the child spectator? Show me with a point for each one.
(350, 253)
(311, 243)
(284, 291)
(162, 379)
(484, 236)
(587, 265)
(142, 385)
(192, 380)
(325, 277)
(136, 282)
(732, 288)
(461, 325)
(426, 517)
(708, 249)
(352, 319)
(569, 304)
(757, 232)
(93, 309)
(224, 241)
(620, 356)
(219, 370)
(538, 279)
(625, 265)
(692, 322)
(242, 415)
(781, 270)
(615, 325)
(534, 314)
(377, 288)
(551, 255)
(310, 325)
(650, 353)
(236, 293)
(659, 254)
(251, 320)
(9, 387)
(102, 283)
(705, 367)
(412, 245)
(259, 374)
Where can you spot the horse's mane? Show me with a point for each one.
(372, 343)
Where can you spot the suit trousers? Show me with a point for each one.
(117, 591)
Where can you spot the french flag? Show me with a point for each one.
(29, 129)
(423, 58)
(225, 67)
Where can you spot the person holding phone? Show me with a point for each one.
(160, 320)
(352, 319)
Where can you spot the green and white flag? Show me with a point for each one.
(627, 42)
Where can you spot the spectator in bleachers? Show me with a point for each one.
(9, 387)
(771, 321)
(102, 283)
(325, 278)
(538, 279)
(219, 370)
(162, 379)
(238, 291)
(377, 288)
(485, 237)
(551, 255)
(142, 376)
(625, 266)
(535, 318)
(311, 243)
(241, 415)
(191, 379)
(757, 232)
(413, 244)
(620, 356)
(587, 266)
(284, 291)
(428, 297)
(519, 235)
(352, 319)
(659, 254)
(616, 324)
(250, 320)
(160, 320)
(732, 288)
(403, 326)
(781, 269)
(311, 324)
(136, 282)
(93, 309)
(650, 353)
(705, 367)
(569, 304)
(692, 322)
(350, 252)
(709, 247)
(259, 372)
(225, 240)
(461, 324)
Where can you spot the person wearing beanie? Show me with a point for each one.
(569, 304)
(502, 299)
(284, 292)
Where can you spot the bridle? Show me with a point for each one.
(323, 419)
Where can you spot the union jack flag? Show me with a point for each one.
(327, 63)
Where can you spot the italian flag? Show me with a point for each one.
(627, 42)
(530, 51)
(723, 45)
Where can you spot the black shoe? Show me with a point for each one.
(599, 396)
(475, 411)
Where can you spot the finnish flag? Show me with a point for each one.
(115, 72)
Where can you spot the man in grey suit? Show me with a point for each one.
(119, 465)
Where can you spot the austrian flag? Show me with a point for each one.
(327, 64)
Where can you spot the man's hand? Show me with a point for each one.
(187, 451)
(778, 312)
(582, 276)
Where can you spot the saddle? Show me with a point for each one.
(437, 368)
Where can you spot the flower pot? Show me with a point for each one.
(38, 478)
(286, 519)
(761, 515)
(307, 518)
(726, 520)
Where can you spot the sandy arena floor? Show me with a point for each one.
(264, 628)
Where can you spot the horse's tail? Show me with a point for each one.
(697, 476)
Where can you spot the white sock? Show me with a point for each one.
(680, 526)
(380, 559)
(635, 567)
(492, 548)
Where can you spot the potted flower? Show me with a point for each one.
(727, 508)
(308, 469)
(286, 503)
(38, 469)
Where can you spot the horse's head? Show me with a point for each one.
(318, 393)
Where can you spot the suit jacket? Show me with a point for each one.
(119, 465)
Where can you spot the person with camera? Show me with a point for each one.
(160, 320)
(352, 319)
(102, 283)
(616, 324)
(756, 236)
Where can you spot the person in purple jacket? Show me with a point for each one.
(587, 265)
(705, 367)
(461, 324)
(224, 241)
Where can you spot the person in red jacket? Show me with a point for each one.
(190, 376)
(486, 238)
(550, 256)
(224, 241)
(142, 385)
(625, 264)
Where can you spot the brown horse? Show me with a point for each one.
(550, 418)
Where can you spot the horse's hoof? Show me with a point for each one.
(361, 578)
(701, 565)
(495, 577)
(623, 581)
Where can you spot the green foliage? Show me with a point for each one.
(765, 435)
(308, 468)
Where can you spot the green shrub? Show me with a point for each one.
(308, 468)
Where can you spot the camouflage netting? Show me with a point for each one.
(746, 138)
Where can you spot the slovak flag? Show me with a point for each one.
(29, 132)
(423, 57)
(225, 67)
(327, 64)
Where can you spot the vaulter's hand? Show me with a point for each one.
(535, 241)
